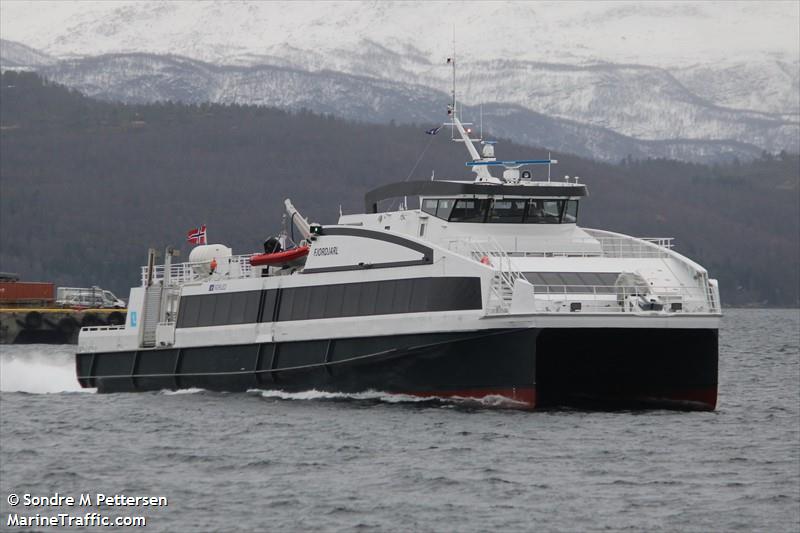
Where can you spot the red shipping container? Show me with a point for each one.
(25, 292)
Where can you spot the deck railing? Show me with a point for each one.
(236, 266)
(623, 299)
(615, 245)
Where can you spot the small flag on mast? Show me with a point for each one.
(433, 131)
(197, 235)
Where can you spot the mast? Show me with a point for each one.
(455, 110)
(455, 124)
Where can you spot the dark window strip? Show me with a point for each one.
(396, 296)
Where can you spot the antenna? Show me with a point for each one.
(452, 107)
(454, 71)
(481, 135)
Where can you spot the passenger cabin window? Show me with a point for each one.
(503, 210)
(413, 295)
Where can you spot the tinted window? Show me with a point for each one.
(429, 206)
(367, 299)
(455, 293)
(445, 208)
(542, 211)
(380, 297)
(294, 303)
(352, 293)
(534, 278)
(316, 304)
(469, 211)
(571, 212)
(582, 282)
(244, 307)
(222, 309)
(188, 311)
(206, 313)
(268, 307)
(238, 303)
(251, 302)
(385, 300)
(420, 288)
(573, 282)
(507, 211)
(333, 304)
(403, 291)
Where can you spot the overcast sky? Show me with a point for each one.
(646, 32)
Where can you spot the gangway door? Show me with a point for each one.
(152, 309)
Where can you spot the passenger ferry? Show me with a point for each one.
(489, 289)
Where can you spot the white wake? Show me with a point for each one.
(38, 368)
(487, 401)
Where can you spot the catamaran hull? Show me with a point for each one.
(584, 367)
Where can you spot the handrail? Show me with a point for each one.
(179, 273)
(488, 251)
(613, 298)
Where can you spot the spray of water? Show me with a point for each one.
(38, 368)
(487, 401)
(41, 369)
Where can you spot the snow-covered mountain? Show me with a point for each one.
(144, 78)
(704, 74)
(17, 55)
(236, 32)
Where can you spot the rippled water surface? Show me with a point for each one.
(272, 461)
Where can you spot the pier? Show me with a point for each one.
(52, 325)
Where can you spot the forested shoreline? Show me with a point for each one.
(87, 186)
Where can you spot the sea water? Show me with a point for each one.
(274, 461)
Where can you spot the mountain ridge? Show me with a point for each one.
(147, 78)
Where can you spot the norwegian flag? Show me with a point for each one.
(197, 235)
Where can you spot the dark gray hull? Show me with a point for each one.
(602, 367)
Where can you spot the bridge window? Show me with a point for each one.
(440, 208)
(507, 211)
(473, 210)
(429, 206)
(542, 211)
(503, 210)
(445, 208)
(570, 212)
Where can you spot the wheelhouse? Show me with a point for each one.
(503, 210)
(524, 203)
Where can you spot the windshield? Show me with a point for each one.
(503, 210)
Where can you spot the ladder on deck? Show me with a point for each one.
(152, 310)
(504, 278)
